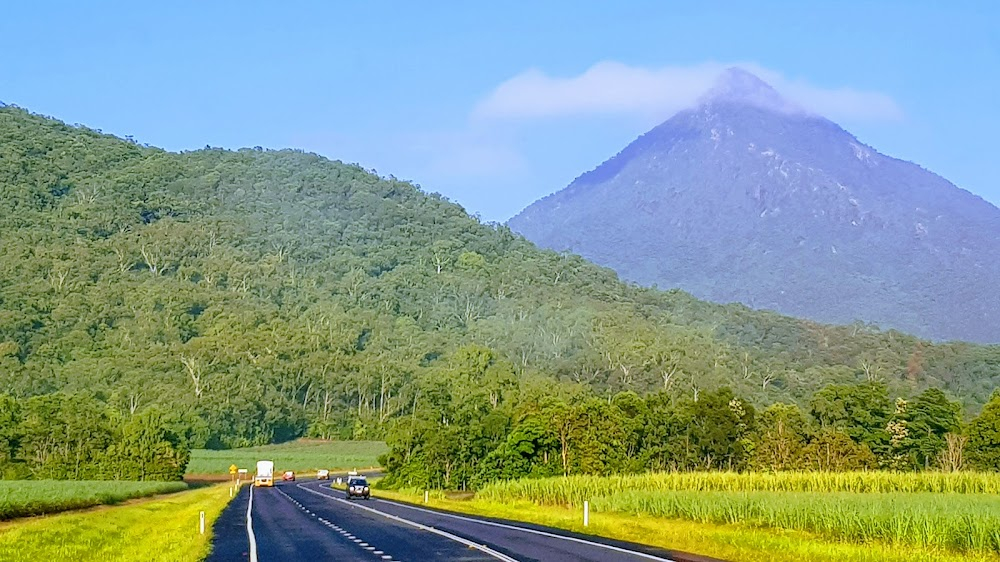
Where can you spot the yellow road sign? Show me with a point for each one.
(232, 469)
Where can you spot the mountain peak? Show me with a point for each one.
(746, 198)
(738, 86)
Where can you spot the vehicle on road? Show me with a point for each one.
(322, 474)
(265, 474)
(357, 487)
(288, 476)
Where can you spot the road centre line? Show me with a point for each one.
(526, 530)
(481, 547)
(347, 535)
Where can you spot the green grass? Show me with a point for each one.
(162, 529)
(575, 489)
(957, 513)
(732, 542)
(304, 455)
(22, 498)
(958, 522)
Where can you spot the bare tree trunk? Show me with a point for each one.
(194, 371)
(951, 458)
(152, 260)
(133, 403)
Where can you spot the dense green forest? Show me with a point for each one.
(255, 296)
(77, 437)
(464, 439)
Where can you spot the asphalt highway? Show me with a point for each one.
(310, 521)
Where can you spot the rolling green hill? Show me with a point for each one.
(261, 295)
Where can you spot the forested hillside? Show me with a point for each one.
(254, 296)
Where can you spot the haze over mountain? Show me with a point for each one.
(749, 198)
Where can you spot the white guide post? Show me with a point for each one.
(201, 522)
(586, 513)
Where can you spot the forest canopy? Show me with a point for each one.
(255, 296)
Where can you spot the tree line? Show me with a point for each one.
(75, 437)
(478, 427)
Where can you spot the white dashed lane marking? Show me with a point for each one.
(342, 532)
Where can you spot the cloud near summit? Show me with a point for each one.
(610, 88)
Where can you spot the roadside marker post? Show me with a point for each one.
(586, 513)
(201, 522)
(426, 496)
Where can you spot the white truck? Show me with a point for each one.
(265, 474)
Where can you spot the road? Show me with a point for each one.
(310, 521)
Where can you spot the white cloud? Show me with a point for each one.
(843, 103)
(609, 88)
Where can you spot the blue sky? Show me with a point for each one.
(497, 104)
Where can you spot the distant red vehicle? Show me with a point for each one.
(288, 476)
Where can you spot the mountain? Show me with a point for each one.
(258, 295)
(748, 198)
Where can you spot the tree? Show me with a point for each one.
(718, 429)
(930, 417)
(146, 449)
(65, 436)
(952, 457)
(983, 446)
(860, 411)
(10, 437)
(530, 449)
(833, 450)
(782, 432)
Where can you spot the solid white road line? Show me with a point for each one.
(481, 547)
(250, 535)
(535, 532)
(526, 530)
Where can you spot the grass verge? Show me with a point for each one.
(23, 498)
(161, 529)
(733, 542)
(303, 455)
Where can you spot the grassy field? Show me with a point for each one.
(303, 455)
(22, 498)
(162, 529)
(732, 542)
(954, 512)
(957, 522)
(575, 489)
(864, 516)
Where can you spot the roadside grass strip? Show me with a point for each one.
(160, 529)
(303, 455)
(736, 542)
(24, 498)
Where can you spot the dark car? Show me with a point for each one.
(357, 487)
